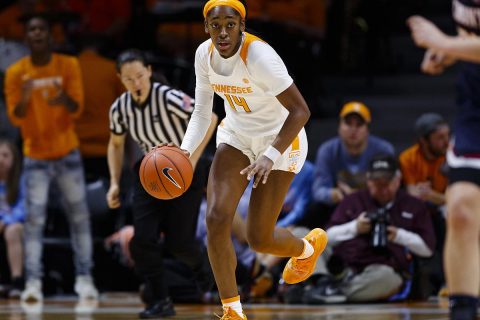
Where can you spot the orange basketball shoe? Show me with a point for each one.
(298, 270)
(230, 314)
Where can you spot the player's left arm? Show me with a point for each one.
(269, 69)
(298, 116)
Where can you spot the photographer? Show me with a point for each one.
(373, 232)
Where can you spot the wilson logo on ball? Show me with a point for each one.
(169, 177)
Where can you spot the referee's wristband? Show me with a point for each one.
(272, 154)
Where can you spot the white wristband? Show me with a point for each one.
(272, 154)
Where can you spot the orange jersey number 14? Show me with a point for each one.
(237, 101)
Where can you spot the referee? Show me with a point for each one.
(154, 113)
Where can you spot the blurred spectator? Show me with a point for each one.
(12, 20)
(11, 26)
(302, 17)
(373, 232)
(12, 212)
(179, 28)
(108, 18)
(424, 172)
(44, 94)
(342, 162)
(423, 164)
(101, 86)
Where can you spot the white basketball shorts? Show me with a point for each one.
(291, 160)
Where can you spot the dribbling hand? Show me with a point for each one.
(171, 144)
(260, 169)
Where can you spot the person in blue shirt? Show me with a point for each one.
(12, 212)
(341, 162)
(462, 247)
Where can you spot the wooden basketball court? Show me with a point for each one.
(126, 306)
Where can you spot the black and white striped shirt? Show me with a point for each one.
(162, 118)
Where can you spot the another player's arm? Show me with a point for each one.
(115, 152)
(465, 46)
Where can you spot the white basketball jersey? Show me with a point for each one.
(251, 106)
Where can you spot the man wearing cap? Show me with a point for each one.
(423, 164)
(342, 161)
(377, 270)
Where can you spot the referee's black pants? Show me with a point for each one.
(176, 220)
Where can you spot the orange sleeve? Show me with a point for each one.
(13, 91)
(74, 85)
(408, 173)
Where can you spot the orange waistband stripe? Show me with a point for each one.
(235, 4)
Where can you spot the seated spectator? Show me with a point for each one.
(423, 164)
(341, 162)
(373, 232)
(12, 213)
(423, 168)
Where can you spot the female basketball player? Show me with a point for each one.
(462, 250)
(261, 138)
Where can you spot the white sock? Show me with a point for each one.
(307, 250)
(235, 305)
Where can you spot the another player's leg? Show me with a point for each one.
(225, 188)
(462, 249)
(265, 206)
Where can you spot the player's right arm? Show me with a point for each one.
(115, 151)
(202, 114)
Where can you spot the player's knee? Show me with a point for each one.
(460, 217)
(217, 221)
(461, 213)
(258, 242)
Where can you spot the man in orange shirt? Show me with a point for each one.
(44, 94)
(423, 170)
(423, 163)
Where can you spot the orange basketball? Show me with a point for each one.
(166, 172)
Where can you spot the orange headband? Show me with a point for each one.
(235, 4)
